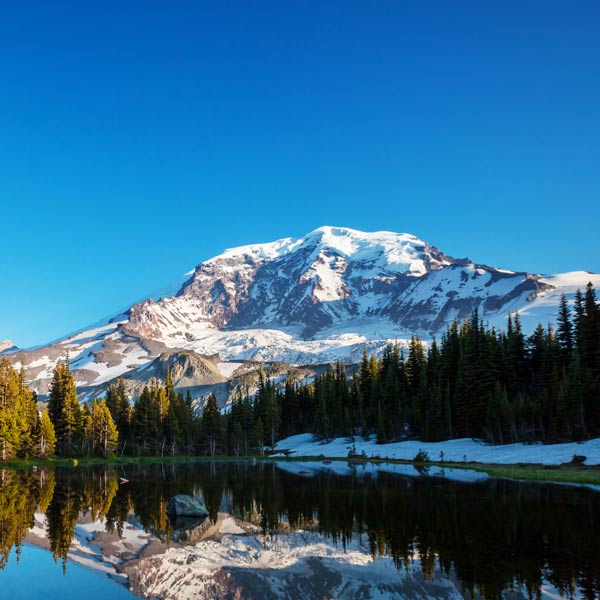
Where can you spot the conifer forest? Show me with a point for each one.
(501, 386)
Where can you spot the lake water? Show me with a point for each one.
(294, 530)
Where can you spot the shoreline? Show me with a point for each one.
(535, 472)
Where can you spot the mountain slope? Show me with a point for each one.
(317, 299)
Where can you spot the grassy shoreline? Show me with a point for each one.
(566, 473)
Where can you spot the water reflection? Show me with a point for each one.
(490, 536)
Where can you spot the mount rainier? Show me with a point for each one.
(308, 301)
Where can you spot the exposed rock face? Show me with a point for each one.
(313, 300)
(330, 275)
(186, 367)
(330, 278)
(439, 297)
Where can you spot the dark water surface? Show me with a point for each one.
(293, 530)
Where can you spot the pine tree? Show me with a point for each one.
(365, 380)
(117, 401)
(590, 331)
(578, 317)
(45, 437)
(237, 436)
(564, 330)
(212, 426)
(266, 406)
(145, 426)
(87, 431)
(105, 433)
(290, 408)
(64, 410)
(12, 422)
(29, 417)
(322, 419)
(257, 436)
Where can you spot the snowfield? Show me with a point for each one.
(461, 450)
(317, 299)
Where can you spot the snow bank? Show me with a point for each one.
(465, 449)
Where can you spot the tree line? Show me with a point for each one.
(23, 431)
(502, 386)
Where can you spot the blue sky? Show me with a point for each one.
(140, 138)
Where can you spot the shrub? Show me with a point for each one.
(421, 456)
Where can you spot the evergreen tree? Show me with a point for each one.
(145, 424)
(565, 330)
(13, 424)
(117, 401)
(45, 437)
(578, 318)
(590, 330)
(257, 436)
(105, 433)
(64, 410)
(212, 426)
(266, 406)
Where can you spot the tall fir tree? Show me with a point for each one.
(212, 426)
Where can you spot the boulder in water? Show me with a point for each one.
(186, 506)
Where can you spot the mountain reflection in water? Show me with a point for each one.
(488, 539)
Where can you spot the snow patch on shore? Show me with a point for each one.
(460, 450)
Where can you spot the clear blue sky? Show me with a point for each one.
(139, 138)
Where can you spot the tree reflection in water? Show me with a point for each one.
(492, 536)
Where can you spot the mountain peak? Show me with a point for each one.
(349, 241)
(402, 252)
(7, 346)
(314, 299)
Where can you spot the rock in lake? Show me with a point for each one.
(186, 506)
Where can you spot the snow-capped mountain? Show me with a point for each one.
(320, 298)
(7, 346)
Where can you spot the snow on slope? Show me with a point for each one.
(544, 306)
(454, 450)
(316, 299)
(378, 249)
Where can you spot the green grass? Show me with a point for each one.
(533, 472)
(578, 474)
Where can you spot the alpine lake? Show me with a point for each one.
(293, 530)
